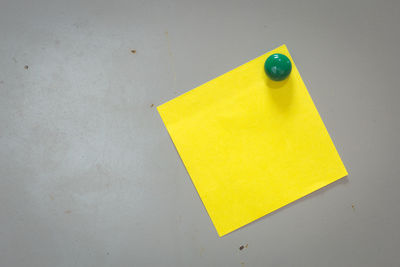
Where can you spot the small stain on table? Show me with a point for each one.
(243, 247)
(26, 67)
(133, 51)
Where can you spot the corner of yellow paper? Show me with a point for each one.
(251, 145)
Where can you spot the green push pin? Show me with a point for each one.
(278, 67)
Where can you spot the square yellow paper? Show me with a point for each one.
(251, 145)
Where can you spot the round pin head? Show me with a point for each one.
(278, 67)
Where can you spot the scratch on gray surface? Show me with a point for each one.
(81, 23)
(201, 252)
(171, 56)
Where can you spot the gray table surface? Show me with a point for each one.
(90, 177)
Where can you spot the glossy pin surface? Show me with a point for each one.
(278, 67)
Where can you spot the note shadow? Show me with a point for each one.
(322, 190)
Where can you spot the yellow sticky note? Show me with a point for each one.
(251, 145)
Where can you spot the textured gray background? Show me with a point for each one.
(90, 177)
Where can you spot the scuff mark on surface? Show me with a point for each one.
(243, 246)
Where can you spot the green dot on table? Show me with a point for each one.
(278, 67)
